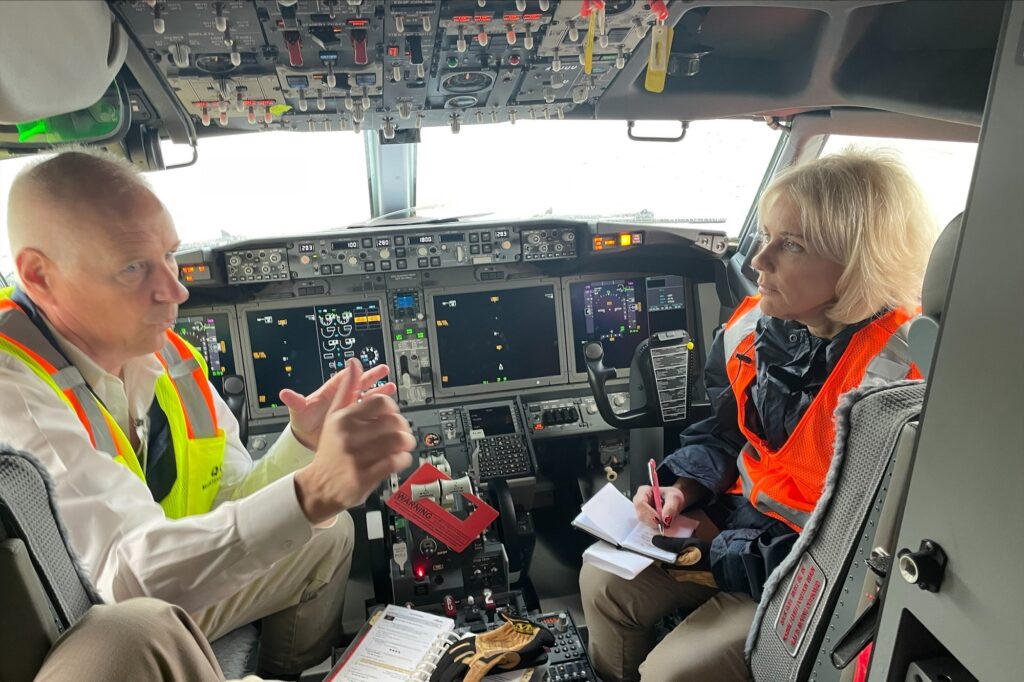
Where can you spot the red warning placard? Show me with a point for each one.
(433, 518)
(806, 589)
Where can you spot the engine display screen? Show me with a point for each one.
(211, 336)
(620, 313)
(487, 337)
(301, 348)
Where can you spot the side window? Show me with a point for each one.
(942, 169)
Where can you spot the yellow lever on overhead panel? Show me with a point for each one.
(588, 51)
(657, 62)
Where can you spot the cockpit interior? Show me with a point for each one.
(538, 215)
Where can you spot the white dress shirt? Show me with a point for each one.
(120, 533)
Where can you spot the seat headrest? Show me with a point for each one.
(940, 270)
(924, 331)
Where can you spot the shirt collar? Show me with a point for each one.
(139, 371)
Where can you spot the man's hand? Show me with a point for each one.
(674, 501)
(363, 441)
(307, 413)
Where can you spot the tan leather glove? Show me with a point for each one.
(693, 560)
(516, 644)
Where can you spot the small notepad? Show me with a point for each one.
(609, 516)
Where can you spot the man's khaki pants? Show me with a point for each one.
(621, 616)
(300, 600)
(137, 639)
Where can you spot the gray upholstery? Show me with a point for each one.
(869, 423)
(27, 625)
(924, 331)
(45, 589)
(29, 512)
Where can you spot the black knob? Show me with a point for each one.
(925, 567)
(594, 351)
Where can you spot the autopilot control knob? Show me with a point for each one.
(562, 624)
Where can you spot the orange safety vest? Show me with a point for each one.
(786, 483)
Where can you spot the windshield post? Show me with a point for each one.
(391, 170)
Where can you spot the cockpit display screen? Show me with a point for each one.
(620, 313)
(211, 336)
(488, 337)
(301, 348)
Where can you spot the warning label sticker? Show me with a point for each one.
(802, 597)
(434, 519)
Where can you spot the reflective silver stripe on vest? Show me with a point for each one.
(740, 329)
(17, 326)
(192, 400)
(893, 362)
(765, 502)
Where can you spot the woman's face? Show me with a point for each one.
(795, 282)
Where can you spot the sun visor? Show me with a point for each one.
(57, 56)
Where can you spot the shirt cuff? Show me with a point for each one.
(271, 524)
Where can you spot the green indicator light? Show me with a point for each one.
(408, 331)
(419, 335)
(452, 62)
(398, 337)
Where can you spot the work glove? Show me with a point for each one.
(516, 644)
(693, 559)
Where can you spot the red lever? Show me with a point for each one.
(591, 6)
(293, 41)
(449, 606)
(660, 9)
(359, 45)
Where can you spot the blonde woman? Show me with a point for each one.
(844, 241)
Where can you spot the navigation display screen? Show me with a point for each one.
(620, 313)
(301, 348)
(211, 336)
(488, 337)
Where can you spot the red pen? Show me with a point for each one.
(652, 471)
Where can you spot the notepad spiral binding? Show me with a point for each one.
(425, 668)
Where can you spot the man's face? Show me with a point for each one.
(119, 291)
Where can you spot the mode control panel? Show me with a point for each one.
(570, 416)
(549, 244)
(257, 265)
(403, 252)
(412, 352)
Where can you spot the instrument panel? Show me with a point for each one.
(443, 344)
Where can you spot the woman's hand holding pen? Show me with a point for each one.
(674, 501)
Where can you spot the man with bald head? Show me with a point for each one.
(160, 497)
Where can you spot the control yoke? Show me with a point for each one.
(658, 371)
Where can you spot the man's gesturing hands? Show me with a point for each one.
(363, 441)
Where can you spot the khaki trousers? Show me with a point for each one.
(300, 599)
(137, 639)
(621, 616)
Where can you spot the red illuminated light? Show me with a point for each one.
(358, 22)
(482, 18)
(533, 17)
(420, 572)
(598, 243)
(392, 50)
(512, 17)
(462, 18)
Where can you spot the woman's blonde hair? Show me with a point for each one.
(861, 209)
